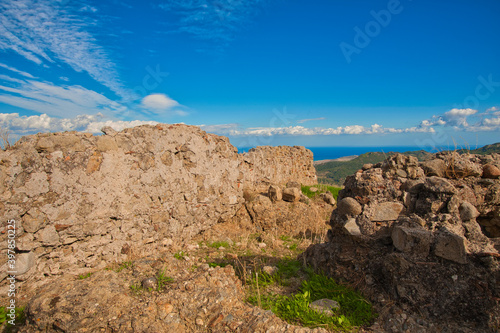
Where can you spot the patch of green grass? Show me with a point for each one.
(219, 264)
(84, 276)
(322, 188)
(124, 265)
(163, 279)
(218, 244)
(136, 288)
(354, 310)
(180, 255)
(19, 314)
(285, 238)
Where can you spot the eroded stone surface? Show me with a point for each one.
(420, 239)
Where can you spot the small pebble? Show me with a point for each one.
(149, 283)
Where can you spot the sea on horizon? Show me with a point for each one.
(330, 153)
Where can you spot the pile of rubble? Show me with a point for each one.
(421, 239)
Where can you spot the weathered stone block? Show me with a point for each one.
(24, 262)
(48, 236)
(411, 240)
(387, 211)
(275, 193)
(435, 167)
(33, 221)
(450, 246)
(291, 194)
(352, 228)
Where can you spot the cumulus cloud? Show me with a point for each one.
(466, 119)
(458, 117)
(22, 125)
(45, 32)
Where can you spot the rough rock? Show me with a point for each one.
(208, 299)
(367, 166)
(328, 198)
(325, 306)
(149, 283)
(450, 246)
(387, 211)
(421, 245)
(275, 193)
(349, 206)
(491, 172)
(352, 228)
(293, 184)
(412, 240)
(82, 200)
(24, 262)
(468, 211)
(434, 167)
(291, 194)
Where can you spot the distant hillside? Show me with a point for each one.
(335, 172)
(488, 149)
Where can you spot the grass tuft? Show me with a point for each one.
(354, 310)
(163, 279)
(20, 318)
(84, 276)
(218, 244)
(180, 255)
(322, 188)
(124, 265)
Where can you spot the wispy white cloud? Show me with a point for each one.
(214, 20)
(46, 32)
(22, 125)
(60, 101)
(15, 70)
(301, 121)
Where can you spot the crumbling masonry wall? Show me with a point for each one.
(83, 201)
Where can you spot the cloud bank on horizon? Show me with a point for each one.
(82, 65)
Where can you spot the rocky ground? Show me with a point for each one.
(421, 240)
(181, 289)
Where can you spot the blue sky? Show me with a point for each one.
(314, 73)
